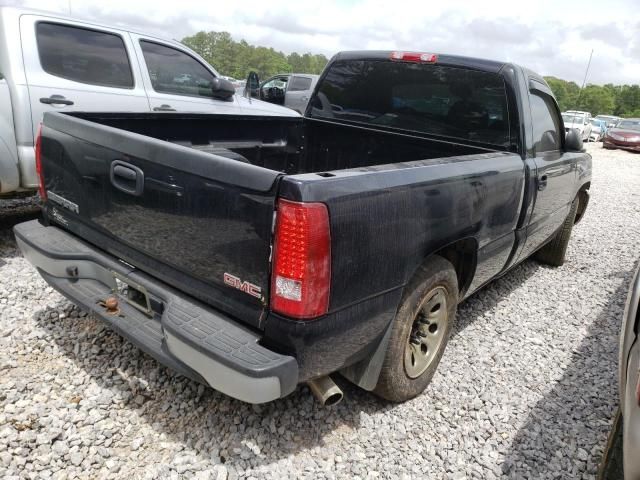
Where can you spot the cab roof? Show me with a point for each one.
(442, 59)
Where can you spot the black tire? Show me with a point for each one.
(394, 383)
(554, 252)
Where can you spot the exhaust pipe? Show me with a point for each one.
(326, 391)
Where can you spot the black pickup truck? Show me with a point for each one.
(256, 253)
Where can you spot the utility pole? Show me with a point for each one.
(586, 72)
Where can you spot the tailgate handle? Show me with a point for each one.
(127, 178)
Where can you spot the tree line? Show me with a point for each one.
(237, 59)
(609, 99)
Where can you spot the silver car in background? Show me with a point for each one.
(598, 129)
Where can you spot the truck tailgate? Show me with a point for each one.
(200, 222)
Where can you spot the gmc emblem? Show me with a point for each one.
(246, 287)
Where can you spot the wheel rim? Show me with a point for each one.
(427, 333)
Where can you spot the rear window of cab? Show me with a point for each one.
(426, 98)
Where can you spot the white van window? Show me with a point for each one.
(82, 55)
(175, 72)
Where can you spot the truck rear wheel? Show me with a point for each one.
(420, 331)
(554, 252)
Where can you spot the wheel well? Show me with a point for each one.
(582, 201)
(463, 256)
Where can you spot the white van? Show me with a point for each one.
(50, 62)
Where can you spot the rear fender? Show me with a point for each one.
(462, 254)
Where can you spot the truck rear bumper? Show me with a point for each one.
(193, 339)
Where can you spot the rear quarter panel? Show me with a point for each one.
(384, 222)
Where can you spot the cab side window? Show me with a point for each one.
(175, 72)
(546, 123)
(84, 56)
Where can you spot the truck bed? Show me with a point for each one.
(285, 144)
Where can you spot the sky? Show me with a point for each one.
(550, 37)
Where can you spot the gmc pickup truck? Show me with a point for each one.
(256, 253)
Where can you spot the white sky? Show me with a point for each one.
(552, 37)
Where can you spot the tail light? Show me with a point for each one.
(301, 260)
(415, 57)
(38, 147)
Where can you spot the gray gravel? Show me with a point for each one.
(526, 389)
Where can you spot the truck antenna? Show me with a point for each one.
(586, 72)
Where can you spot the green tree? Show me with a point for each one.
(566, 93)
(237, 59)
(628, 100)
(597, 100)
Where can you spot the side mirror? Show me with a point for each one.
(252, 86)
(222, 89)
(573, 141)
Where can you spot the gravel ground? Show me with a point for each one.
(526, 388)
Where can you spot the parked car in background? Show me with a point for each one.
(338, 241)
(598, 129)
(291, 90)
(576, 120)
(54, 63)
(611, 120)
(625, 135)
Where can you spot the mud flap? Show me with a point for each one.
(365, 373)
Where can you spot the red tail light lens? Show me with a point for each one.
(301, 274)
(38, 148)
(414, 57)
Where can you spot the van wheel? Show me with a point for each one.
(420, 331)
(554, 252)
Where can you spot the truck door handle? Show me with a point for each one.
(55, 100)
(127, 178)
(542, 182)
(164, 108)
